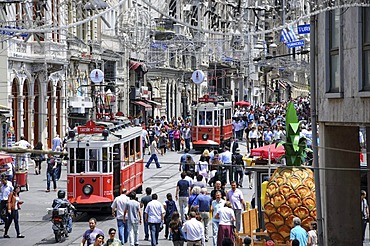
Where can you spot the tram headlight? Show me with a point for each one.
(87, 189)
(205, 136)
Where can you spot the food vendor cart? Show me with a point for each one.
(5, 164)
(21, 171)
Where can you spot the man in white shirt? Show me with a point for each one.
(216, 205)
(154, 215)
(226, 158)
(23, 157)
(118, 210)
(235, 196)
(194, 231)
(6, 188)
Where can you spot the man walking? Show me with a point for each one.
(118, 210)
(6, 188)
(216, 205)
(154, 215)
(90, 235)
(297, 232)
(153, 148)
(194, 231)
(238, 166)
(204, 206)
(182, 194)
(235, 196)
(144, 202)
(133, 218)
(226, 159)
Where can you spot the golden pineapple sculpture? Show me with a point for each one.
(290, 191)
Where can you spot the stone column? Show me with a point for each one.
(340, 184)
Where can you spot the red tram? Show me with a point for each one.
(103, 159)
(212, 123)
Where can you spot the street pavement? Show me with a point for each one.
(35, 222)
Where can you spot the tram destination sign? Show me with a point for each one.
(90, 128)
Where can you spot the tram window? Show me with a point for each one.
(116, 156)
(228, 116)
(209, 118)
(72, 160)
(105, 160)
(80, 160)
(202, 116)
(215, 118)
(137, 148)
(93, 160)
(126, 153)
(132, 150)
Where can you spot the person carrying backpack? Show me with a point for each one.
(169, 207)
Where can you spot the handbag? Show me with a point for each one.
(183, 236)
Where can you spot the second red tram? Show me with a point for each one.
(212, 123)
(101, 163)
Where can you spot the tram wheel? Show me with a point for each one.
(139, 190)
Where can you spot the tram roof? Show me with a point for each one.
(113, 137)
(209, 105)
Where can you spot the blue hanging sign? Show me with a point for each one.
(294, 44)
(304, 29)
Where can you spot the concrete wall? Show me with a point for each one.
(352, 106)
(340, 185)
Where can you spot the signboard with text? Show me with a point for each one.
(90, 128)
(294, 44)
(304, 29)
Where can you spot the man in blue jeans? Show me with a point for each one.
(153, 153)
(154, 215)
(118, 209)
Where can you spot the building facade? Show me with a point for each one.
(343, 103)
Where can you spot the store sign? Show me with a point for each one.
(294, 44)
(304, 29)
(144, 92)
(90, 128)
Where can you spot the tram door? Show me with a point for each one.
(116, 169)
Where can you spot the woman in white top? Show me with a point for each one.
(202, 168)
(225, 228)
(312, 235)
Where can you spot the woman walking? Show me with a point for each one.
(13, 206)
(38, 158)
(176, 230)
(225, 228)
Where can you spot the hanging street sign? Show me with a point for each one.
(304, 29)
(294, 44)
(96, 76)
(197, 77)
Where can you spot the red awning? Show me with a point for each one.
(4, 159)
(153, 102)
(134, 65)
(264, 151)
(143, 104)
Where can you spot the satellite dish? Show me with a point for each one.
(97, 76)
(197, 77)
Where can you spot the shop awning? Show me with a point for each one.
(153, 102)
(134, 65)
(142, 104)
